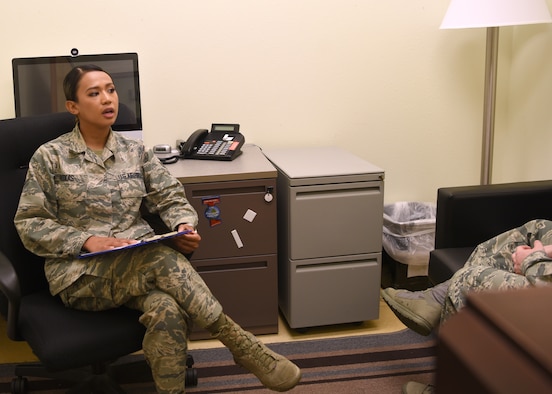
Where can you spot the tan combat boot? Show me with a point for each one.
(274, 371)
(417, 388)
(418, 310)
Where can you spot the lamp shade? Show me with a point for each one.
(494, 13)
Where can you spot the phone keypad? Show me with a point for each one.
(214, 147)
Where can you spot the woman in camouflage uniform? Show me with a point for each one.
(83, 193)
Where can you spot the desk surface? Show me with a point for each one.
(499, 343)
(251, 164)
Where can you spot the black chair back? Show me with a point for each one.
(19, 138)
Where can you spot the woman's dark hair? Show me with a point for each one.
(73, 77)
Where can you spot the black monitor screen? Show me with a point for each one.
(38, 81)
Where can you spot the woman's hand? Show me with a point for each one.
(186, 243)
(522, 252)
(99, 244)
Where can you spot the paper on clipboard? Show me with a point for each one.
(155, 238)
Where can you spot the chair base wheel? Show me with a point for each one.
(19, 385)
(191, 373)
(191, 377)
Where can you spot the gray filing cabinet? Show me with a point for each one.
(330, 219)
(237, 256)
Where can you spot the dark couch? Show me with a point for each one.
(469, 215)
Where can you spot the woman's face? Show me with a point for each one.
(97, 101)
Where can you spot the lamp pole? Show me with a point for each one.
(491, 14)
(489, 103)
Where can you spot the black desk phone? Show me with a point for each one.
(223, 142)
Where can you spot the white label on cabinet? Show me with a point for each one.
(237, 238)
(250, 215)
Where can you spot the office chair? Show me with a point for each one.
(71, 345)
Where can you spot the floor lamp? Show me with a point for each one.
(492, 14)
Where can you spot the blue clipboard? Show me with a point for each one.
(155, 238)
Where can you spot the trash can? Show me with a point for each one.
(408, 237)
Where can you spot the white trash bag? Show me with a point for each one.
(409, 231)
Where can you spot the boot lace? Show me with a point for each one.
(253, 351)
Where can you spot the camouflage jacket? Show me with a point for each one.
(537, 268)
(72, 193)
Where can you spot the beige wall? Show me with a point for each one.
(377, 78)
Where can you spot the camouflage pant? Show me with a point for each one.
(490, 266)
(163, 285)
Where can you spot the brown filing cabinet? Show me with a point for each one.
(237, 257)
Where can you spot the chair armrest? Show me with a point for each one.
(443, 263)
(9, 286)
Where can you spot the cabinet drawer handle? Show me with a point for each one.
(233, 267)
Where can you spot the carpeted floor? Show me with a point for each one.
(379, 363)
(358, 364)
(374, 357)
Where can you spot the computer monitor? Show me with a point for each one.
(37, 83)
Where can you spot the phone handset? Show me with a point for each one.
(193, 142)
(223, 142)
